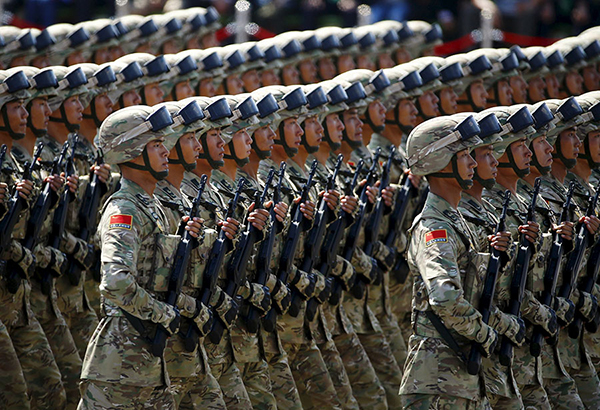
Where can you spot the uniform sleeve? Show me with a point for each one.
(120, 233)
(435, 253)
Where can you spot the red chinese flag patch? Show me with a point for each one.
(120, 221)
(439, 235)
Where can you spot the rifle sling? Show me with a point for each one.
(445, 334)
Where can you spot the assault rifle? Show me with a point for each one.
(313, 244)
(263, 262)
(297, 226)
(60, 218)
(551, 276)
(489, 289)
(236, 270)
(211, 272)
(8, 222)
(519, 277)
(179, 270)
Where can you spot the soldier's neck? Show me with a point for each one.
(559, 171)
(346, 151)
(393, 134)
(28, 143)
(251, 168)
(367, 133)
(88, 130)
(278, 154)
(202, 168)
(143, 178)
(175, 175)
(475, 191)
(508, 179)
(530, 179)
(323, 153)
(58, 131)
(6, 140)
(447, 190)
(300, 157)
(230, 168)
(582, 170)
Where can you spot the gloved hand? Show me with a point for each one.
(281, 296)
(587, 305)
(512, 327)
(375, 275)
(488, 345)
(84, 254)
(166, 316)
(550, 324)
(227, 308)
(260, 297)
(305, 283)
(22, 257)
(344, 270)
(565, 311)
(203, 318)
(324, 295)
(57, 265)
(385, 255)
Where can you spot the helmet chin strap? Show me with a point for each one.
(93, 116)
(205, 154)
(7, 128)
(239, 161)
(406, 129)
(536, 163)
(38, 132)
(588, 158)
(180, 160)
(327, 137)
(464, 183)
(63, 119)
(521, 173)
(486, 183)
(569, 163)
(420, 109)
(469, 101)
(369, 121)
(290, 151)
(159, 176)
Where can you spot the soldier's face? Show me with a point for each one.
(521, 154)
(313, 131)
(209, 40)
(345, 63)
(154, 94)
(144, 48)
(18, 61)
(41, 61)
(574, 83)
(131, 97)
(234, 85)
(519, 89)
(478, 94)
(290, 75)
(242, 142)
(183, 90)
(215, 144)
(158, 156)
(40, 113)
(537, 89)
(353, 124)
(543, 150)
(73, 110)
(570, 143)
(193, 43)
(591, 78)
(402, 56)
(377, 113)
(189, 146)
(335, 127)
(170, 47)
(207, 88)
(292, 132)
(102, 56)
(486, 162)
(594, 144)
(448, 100)
(269, 77)
(17, 116)
(308, 72)
(429, 104)
(75, 58)
(264, 138)
(327, 69)
(505, 93)
(552, 86)
(103, 106)
(251, 81)
(384, 60)
(407, 113)
(465, 164)
(366, 62)
(116, 52)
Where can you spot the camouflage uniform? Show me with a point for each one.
(13, 388)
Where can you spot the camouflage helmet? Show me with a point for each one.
(571, 51)
(591, 46)
(186, 118)
(43, 81)
(16, 43)
(245, 112)
(367, 42)
(129, 77)
(209, 62)
(432, 144)
(331, 45)
(567, 114)
(233, 59)
(170, 27)
(185, 68)
(69, 39)
(428, 70)
(310, 42)
(103, 33)
(267, 111)
(474, 68)
(14, 85)
(317, 102)
(140, 30)
(386, 32)
(124, 135)
(254, 55)
(405, 82)
(71, 82)
(155, 68)
(290, 48)
(589, 104)
(426, 36)
(537, 63)
(336, 95)
(357, 95)
(100, 79)
(504, 64)
(274, 56)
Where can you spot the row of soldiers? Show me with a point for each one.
(335, 293)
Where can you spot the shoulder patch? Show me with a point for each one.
(439, 235)
(120, 221)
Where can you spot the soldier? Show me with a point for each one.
(474, 95)
(438, 253)
(556, 64)
(171, 29)
(232, 83)
(255, 62)
(44, 385)
(210, 71)
(105, 34)
(180, 86)
(502, 89)
(331, 46)
(17, 47)
(156, 71)
(574, 57)
(533, 74)
(70, 46)
(130, 76)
